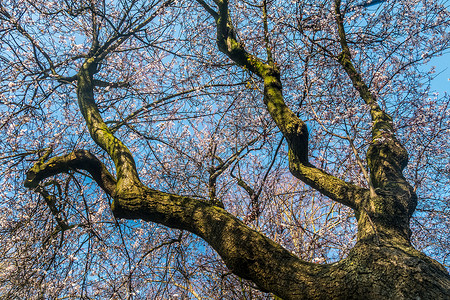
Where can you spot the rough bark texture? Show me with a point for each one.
(382, 265)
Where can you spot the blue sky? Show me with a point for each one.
(441, 83)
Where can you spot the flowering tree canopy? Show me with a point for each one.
(223, 150)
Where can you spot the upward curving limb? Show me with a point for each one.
(293, 128)
(128, 182)
(386, 214)
(127, 177)
(385, 146)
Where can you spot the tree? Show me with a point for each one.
(183, 136)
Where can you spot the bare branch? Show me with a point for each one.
(114, 42)
(22, 31)
(208, 8)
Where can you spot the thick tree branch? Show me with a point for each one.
(77, 160)
(127, 176)
(334, 188)
(344, 59)
(246, 252)
(229, 45)
(296, 134)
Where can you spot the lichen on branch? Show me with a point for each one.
(78, 159)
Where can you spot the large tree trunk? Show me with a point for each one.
(383, 271)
